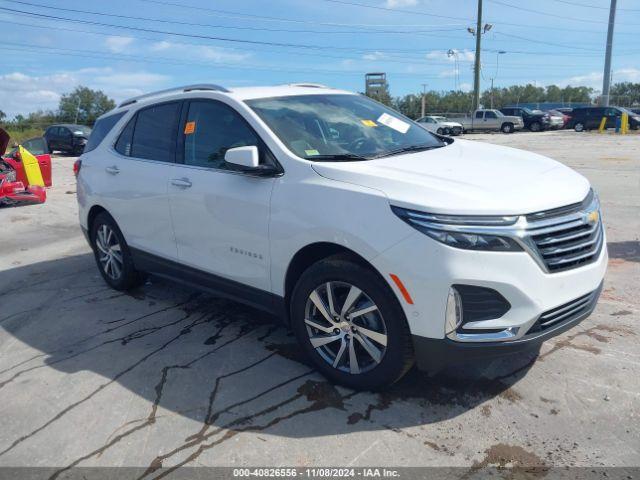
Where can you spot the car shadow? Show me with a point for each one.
(627, 250)
(219, 363)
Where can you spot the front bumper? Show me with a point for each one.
(433, 355)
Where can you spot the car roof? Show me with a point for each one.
(68, 125)
(239, 93)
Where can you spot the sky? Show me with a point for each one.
(129, 47)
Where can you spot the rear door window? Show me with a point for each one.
(101, 129)
(155, 132)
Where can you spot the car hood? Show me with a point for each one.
(466, 177)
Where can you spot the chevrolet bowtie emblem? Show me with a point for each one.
(593, 217)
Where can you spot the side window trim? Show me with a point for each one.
(268, 154)
(134, 119)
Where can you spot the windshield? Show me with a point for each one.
(341, 127)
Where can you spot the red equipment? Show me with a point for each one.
(14, 186)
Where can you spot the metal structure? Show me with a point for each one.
(375, 83)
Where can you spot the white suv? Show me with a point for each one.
(379, 243)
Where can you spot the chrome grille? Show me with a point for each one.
(568, 238)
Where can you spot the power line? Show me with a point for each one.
(563, 17)
(397, 10)
(193, 24)
(232, 14)
(577, 4)
(533, 40)
(393, 59)
(211, 37)
(240, 15)
(371, 50)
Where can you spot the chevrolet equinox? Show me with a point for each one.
(380, 244)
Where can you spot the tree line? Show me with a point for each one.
(623, 94)
(82, 106)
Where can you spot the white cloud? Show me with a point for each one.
(463, 55)
(118, 44)
(21, 93)
(465, 87)
(400, 3)
(374, 56)
(200, 52)
(594, 79)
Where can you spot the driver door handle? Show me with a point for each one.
(181, 182)
(113, 170)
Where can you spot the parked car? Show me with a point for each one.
(377, 242)
(440, 125)
(589, 118)
(490, 120)
(534, 120)
(67, 138)
(557, 119)
(635, 110)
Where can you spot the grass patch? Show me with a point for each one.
(18, 135)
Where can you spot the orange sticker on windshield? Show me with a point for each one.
(189, 128)
(369, 123)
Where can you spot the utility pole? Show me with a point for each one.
(476, 78)
(424, 99)
(606, 81)
(77, 111)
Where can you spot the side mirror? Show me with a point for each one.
(247, 157)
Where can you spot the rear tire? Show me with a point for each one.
(535, 127)
(112, 254)
(579, 127)
(343, 334)
(440, 131)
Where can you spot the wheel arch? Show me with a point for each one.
(93, 213)
(312, 253)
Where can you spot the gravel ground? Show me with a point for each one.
(165, 376)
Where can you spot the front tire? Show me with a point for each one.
(535, 127)
(112, 254)
(507, 128)
(350, 324)
(440, 131)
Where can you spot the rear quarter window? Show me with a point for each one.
(101, 129)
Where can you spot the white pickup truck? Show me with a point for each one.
(492, 120)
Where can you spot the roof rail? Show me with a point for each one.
(186, 88)
(308, 85)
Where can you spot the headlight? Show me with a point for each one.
(462, 231)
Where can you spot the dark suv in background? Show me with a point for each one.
(67, 138)
(589, 118)
(533, 121)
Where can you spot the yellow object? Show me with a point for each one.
(624, 125)
(603, 122)
(31, 167)
(369, 123)
(189, 128)
(312, 152)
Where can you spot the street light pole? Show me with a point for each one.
(424, 99)
(476, 78)
(606, 81)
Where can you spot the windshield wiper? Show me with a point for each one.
(337, 157)
(412, 148)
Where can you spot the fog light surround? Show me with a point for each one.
(453, 313)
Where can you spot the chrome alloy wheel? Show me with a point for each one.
(109, 252)
(345, 327)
